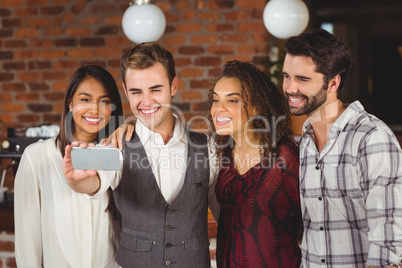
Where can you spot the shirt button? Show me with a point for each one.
(317, 168)
(169, 228)
(321, 228)
(320, 198)
(167, 263)
(322, 260)
(168, 245)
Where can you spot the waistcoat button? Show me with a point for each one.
(169, 228)
(169, 210)
(167, 263)
(168, 245)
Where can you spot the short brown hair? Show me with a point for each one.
(146, 55)
(329, 53)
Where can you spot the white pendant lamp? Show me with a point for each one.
(143, 21)
(285, 18)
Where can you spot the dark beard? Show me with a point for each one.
(312, 104)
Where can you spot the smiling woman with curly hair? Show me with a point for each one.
(258, 184)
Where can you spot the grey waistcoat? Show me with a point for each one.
(154, 233)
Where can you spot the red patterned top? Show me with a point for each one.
(260, 212)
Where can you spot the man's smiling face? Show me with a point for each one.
(150, 95)
(304, 88)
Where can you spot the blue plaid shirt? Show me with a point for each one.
(351, 194)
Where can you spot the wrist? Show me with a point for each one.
(98, 188)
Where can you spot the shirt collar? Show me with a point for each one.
(342, 122)
(145, 134)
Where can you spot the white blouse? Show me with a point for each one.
(55, 226)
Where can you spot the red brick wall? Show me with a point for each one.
(7, 259)
(42, 42)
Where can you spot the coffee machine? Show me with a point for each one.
(13, 147)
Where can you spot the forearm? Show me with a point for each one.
(380, 165)
(382, 209)
(89, 186)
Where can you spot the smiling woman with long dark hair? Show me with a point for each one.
(55, 226)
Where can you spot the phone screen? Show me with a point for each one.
(98, 158)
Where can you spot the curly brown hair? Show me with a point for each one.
(258, 89)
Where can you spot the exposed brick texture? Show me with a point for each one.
(7, 250)
(42, 42)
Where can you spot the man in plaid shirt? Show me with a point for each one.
(350, 162)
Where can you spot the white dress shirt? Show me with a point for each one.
(168, 163)
(55, 226)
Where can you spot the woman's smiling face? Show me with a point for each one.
(90, 106)
(228, 113)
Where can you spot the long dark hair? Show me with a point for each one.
(67, 124)
(258, 89)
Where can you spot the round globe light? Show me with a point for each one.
(285, 18)
(143, 23)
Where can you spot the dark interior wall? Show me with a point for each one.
(373, 29)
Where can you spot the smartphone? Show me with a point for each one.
(98, 158)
